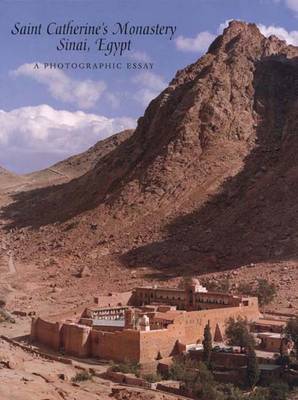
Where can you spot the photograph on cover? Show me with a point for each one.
(148, 199)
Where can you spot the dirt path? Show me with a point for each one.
(11, 265)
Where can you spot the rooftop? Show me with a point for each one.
(271, 322)
(119, 323)
(270, 335)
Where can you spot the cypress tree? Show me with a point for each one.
(253, 371)
(207, 345)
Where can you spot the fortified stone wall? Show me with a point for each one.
(75, 339)
(159, 341)
(134, 345)
(195, 321)
(119, 346)
(45, 332)
(188, 328)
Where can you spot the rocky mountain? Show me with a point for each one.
(207, 181)
(65, 170)
(79, 164)
(8, 179)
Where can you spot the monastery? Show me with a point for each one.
(156, 323)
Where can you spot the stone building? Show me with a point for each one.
(156, 323)
(192, 297)
(275, 342)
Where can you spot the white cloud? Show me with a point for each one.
(198, 44)
(203, 40)
(223, 26)
(113, 100)
(140, 56)
(83, 94)
(150, 85)
(150, 80)
(292, 5)
(291, 37)
(59, 133)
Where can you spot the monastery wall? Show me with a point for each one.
(75, 339)
(188, 328)
(159, 341)
(119, 346)
(195, 321)
(45, 332)
(134, 345)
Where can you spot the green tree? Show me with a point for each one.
(259, 394)
(196, 378)
(231, 392)
(252, 371)
(185, 282)
(238, 334)
(207, 344)
(245, 288)
(292, 331)
(265, 291)
(278, 391)
(204, 386)
(183, 369)
(224, 285)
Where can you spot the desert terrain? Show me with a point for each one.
(206, 186)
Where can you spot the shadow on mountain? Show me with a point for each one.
(58, 203)
(254, 216)
(101, 185)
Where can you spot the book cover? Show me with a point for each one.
(148, 199)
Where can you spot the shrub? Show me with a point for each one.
(127, 367)
(2, 303)
(230, 392)
(246, 288)
(278, 391)
(183, 369)
(259, 394)
(292, 331)
(155, 377)
(223, 285)
(196, 377)
(5, 316)
(81, 376)
(283, 360)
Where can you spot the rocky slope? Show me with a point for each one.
(207, 181)
(79, 164)
(8, 179)
(27, 376)
(63, 171)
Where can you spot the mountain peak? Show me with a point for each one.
(237, 26)
(245, 39)
(215, 141)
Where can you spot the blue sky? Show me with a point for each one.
(47, 115)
